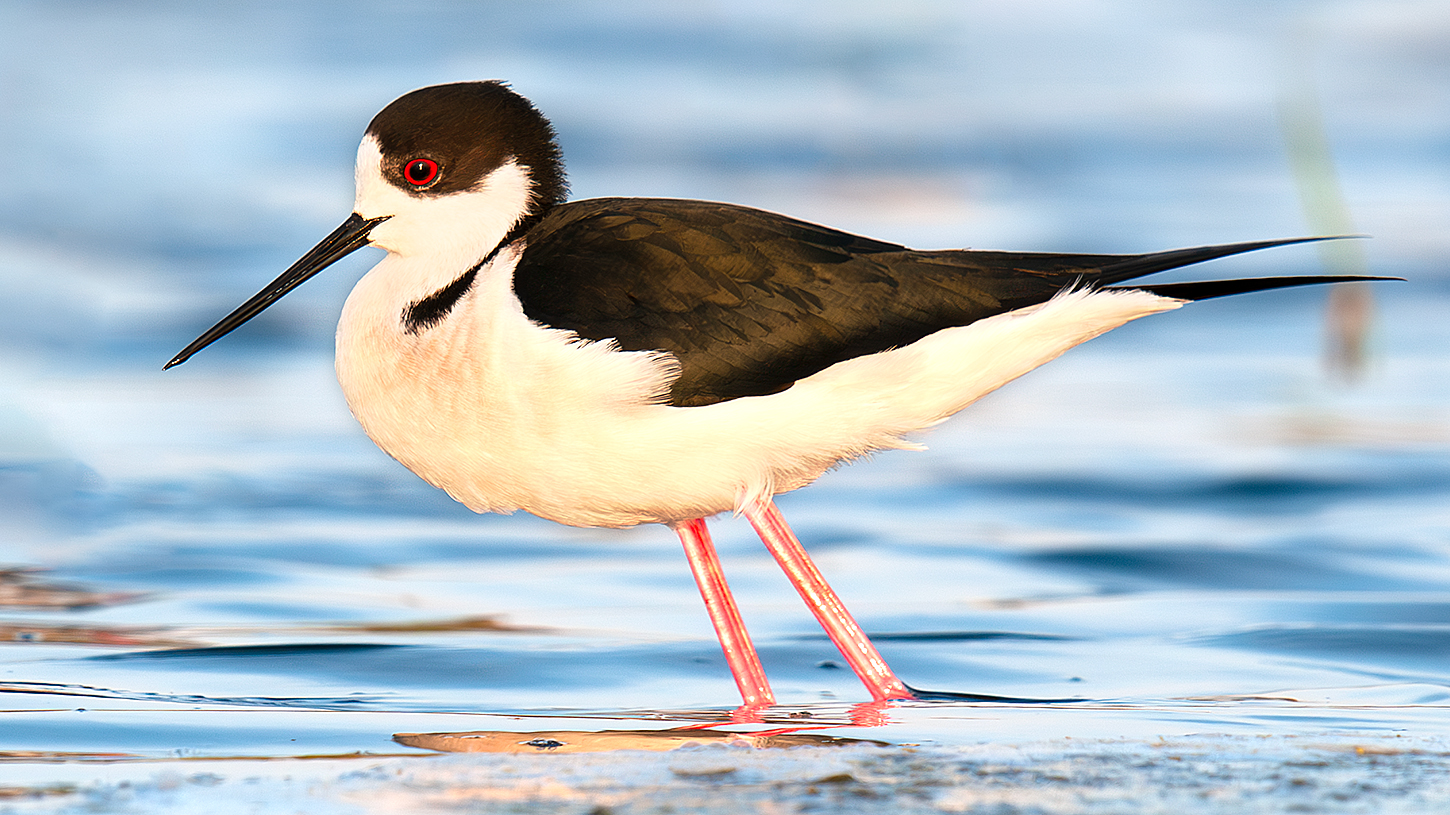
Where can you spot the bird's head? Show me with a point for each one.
(448, 174)
(456, 169)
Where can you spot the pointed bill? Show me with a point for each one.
(352, 235)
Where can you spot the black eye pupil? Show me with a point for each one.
(420, 171)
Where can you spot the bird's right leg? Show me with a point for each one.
(724, 614)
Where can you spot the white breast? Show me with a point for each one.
(505, 414)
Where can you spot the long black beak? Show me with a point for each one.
(352, 235)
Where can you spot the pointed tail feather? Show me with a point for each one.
(1207, 289)
(1139, 265)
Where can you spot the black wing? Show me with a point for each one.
(749, 301)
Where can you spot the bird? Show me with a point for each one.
(612, 362)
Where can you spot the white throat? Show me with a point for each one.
(441, 236)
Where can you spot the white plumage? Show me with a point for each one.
(764, 350)
(506, 414)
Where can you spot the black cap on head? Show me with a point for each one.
(468, 129)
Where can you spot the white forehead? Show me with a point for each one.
(369, 168)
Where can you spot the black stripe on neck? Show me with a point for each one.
(430, 311)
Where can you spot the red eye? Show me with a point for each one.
(420, 172)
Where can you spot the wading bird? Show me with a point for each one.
(620, 361)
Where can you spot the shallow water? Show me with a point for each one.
(1186, 550)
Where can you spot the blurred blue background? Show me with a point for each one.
(1191, 507)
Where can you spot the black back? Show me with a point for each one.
(749, 301)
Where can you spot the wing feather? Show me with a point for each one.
(750, 301)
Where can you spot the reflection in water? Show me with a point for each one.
(56, 757)
(462, 624)
(19, 588)
(89, 635)
(792, 729)
(22, 590)
(584, 741)
(71, 691)
(187, 642)
(785, 728)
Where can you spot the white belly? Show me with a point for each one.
(507, 415)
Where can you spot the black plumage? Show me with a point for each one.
(750, 301)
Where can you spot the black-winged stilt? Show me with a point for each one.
(620, 361)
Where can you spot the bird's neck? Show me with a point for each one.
(388, 366)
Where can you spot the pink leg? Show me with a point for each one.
(720, 605)
(823, 602)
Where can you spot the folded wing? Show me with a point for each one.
(750, 301)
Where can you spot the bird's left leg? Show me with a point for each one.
(862, 656)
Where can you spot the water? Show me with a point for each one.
(1214, 559)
